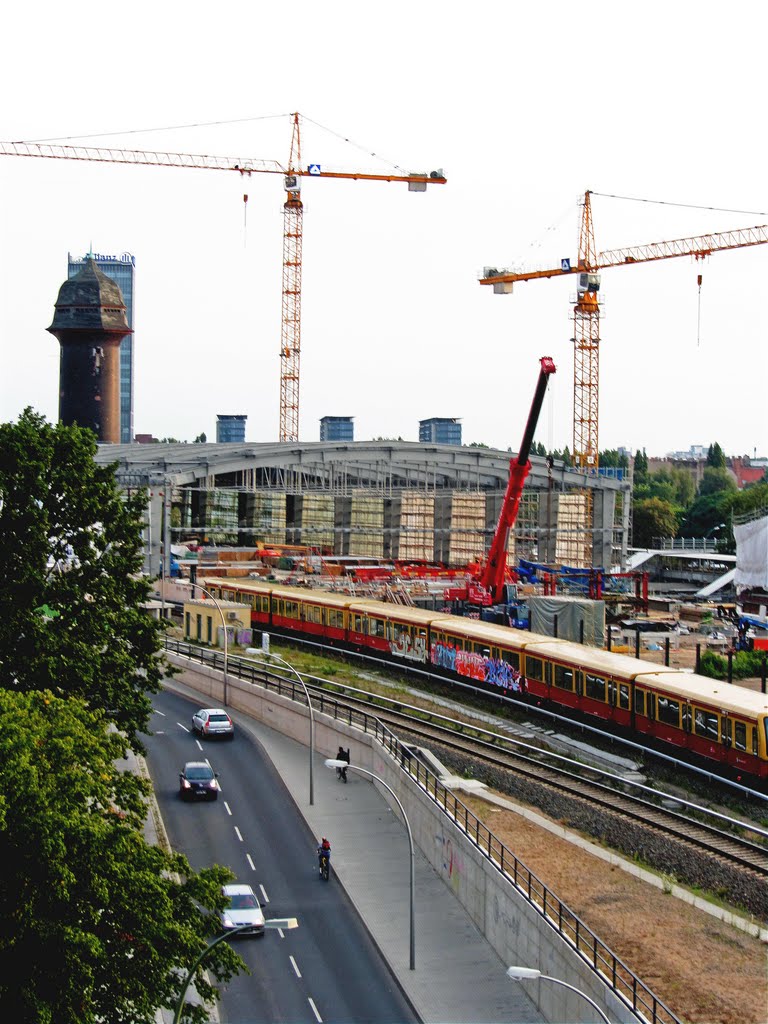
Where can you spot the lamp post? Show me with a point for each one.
(276, 657)
(285, 923)
(333, 762)
(224, 624)
(527, 973)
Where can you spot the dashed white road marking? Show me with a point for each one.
(238, 834)
(311, 1002)
(264, 893)
(295, 967)
(249, 858)
(228, 808)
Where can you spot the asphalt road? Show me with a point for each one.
(327, 969)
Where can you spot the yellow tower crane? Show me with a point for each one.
(586, 310)
(290, 339)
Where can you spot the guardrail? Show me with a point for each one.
(599, 957)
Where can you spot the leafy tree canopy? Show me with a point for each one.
(715, 479)
(95, 924)
(672, 485)
(72, 545)
(641, 466)
(653, 517)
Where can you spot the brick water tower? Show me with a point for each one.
(89, 323)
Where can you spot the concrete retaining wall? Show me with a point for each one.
(510, 924)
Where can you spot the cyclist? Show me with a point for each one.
(342, 755)
(323, 850)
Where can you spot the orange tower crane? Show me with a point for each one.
(586, 310)
(290, 340)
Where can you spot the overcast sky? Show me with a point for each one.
(524, 106)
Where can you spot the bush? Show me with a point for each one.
(746, 664)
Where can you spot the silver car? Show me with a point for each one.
(244, 909)
(213, 722)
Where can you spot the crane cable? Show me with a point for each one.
(689, 206)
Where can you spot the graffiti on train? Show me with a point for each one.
(480, 667)
(410, 648)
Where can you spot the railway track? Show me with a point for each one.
(733, 841)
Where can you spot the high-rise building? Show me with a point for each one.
(230, 429)
(337, 428)
(440, 431)
(120, 269)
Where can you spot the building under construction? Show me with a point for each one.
(390, 500)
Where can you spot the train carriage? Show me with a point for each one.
(586, 679)
(721, 723)
(709, 717)
(398, 631)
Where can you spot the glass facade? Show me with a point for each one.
(230, 428)
(337, 428)
(440, 431)
(120, 269)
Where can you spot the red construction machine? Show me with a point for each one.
(487, 588)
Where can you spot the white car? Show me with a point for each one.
(213, 722)
(243, 909)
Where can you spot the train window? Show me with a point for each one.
(740, 735)
(650, 706)
(624, 696)
(534, 668)
(687, 717)
(669, 712)
(292, 610)
(564, 677)
(595, 686)
(376, 627)
(357, 623)
(706, 725)
(727, 732)
(335, 618)
(511, 657)
(639, 701)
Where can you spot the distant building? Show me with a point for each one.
(337, 428)
(230, 429)
(120, 269)
(89, 322)
(440, 431)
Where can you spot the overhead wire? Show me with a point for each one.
(689, 206)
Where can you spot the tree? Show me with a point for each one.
(71, 619)
(716, 456)
(200, 439)
(716, 479)
(641, 466)
(95, 924)
(652, 518)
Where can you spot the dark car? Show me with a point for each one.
(198, 782)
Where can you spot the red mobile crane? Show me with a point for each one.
(488, 587)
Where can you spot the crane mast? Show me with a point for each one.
(290, 338)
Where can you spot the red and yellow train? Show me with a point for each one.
(722, 723)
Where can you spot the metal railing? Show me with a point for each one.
(611, 969)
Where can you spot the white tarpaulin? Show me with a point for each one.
(752, 554)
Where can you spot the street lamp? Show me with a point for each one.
(333, 762)
(527, 973)
(224, 624)
(286, 923)
(276, 657)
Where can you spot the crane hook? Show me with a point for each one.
(698, 324)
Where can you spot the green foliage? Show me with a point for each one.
(641, 466)
(715, 480)
(72, 542)
(652, 517)
(612, 458)
(672, 485)
(716, 456)
(200, 439)
(477, 444)
(745, 664)
(95, 924)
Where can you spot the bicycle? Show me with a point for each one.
(325, 868)
(341, 773)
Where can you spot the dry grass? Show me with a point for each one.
(707, 972)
